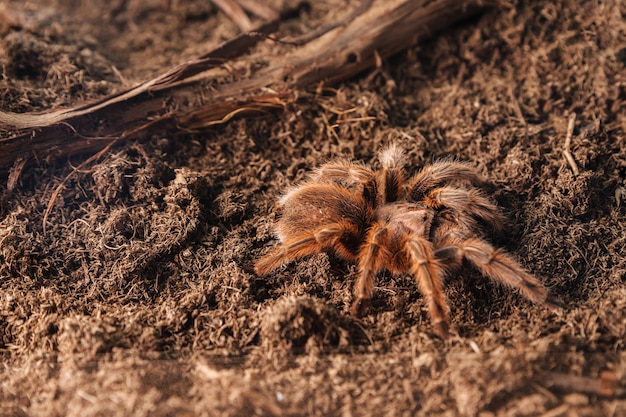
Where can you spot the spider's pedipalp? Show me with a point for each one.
(391, 176)
(391, 180)
(440, 172)
(343, 171)
(392, 157)
(462, 201)
(429, 274)
(500, 266)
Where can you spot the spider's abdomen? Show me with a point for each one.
(310, 209)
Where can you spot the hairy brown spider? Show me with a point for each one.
(425, 225)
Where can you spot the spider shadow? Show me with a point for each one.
(475, 301)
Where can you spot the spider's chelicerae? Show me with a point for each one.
(425, 225)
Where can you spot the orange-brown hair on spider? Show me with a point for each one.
(425, 225)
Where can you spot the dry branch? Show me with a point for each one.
(568, 140)
(606, 385)
(183, 98)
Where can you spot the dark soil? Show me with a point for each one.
(140, 298)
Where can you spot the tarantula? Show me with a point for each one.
(425, 225)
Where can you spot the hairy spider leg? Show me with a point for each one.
(466, 201)
(440, 172)
(301, 246)
(426, 268)
(499, 266)
(422, 263)
(371, 261)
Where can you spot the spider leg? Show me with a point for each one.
(501, 267)
(299, 247)
(341, 171)
(425, 266)
(371, 260)
(466, 201)
(438, 173)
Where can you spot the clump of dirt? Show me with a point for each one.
(304, 325)
(138, 297)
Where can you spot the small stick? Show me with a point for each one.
(308, 37)
(620, 193)
(158, 105)
(259, 9)
(235, 12)
(607, 385)
(568, 139)
(20, 162)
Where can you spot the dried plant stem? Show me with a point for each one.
(191, 95)
(568, 140)
(607, 385)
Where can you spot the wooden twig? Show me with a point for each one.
(620, 194)
(191, 95)
(302, 39)
(607, 385)
(235, 12)
(568, 140)
(259, 8)
(18, 166)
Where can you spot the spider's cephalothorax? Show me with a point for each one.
(425, 225)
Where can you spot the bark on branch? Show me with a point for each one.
(184, 99)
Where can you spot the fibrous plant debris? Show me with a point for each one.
(219, 84)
